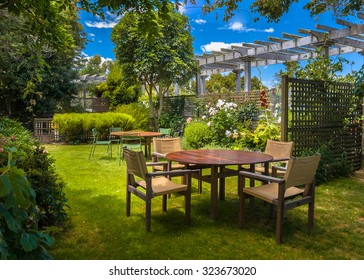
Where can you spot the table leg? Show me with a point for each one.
(252, 184)
(222, 183)
(214, 192)
(147, 147)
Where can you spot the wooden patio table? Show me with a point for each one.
(217, 160)
(147, 135)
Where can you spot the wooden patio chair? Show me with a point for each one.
(281, 152)
(163, 146)
(283, 193)
(96, 142)
(147, 185)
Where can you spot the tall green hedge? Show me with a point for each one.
(75, 127)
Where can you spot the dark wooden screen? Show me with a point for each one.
(316, 113)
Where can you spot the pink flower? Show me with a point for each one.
(1, 150)
(189, 120)
(13, 138)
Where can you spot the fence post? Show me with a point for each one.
(284, 113)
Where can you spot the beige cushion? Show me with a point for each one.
(269, 192)
(161, 186)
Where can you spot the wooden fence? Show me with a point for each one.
(316, 113)
(45, 131)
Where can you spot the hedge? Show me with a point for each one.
(76, 127)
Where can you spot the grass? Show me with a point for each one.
(98, 228)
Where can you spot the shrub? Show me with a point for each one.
(139, 112)
(40, 171)
(226, 119)
(197, 135)
(331, 165)
(75, 127)
(21, 200)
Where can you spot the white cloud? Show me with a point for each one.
(101, 24)
(200, 21)
(216, 46)
(103, 59)
(91, 35)
(240, 27)
(110, 21)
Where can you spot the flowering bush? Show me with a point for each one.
(226, 119)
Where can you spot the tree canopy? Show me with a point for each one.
(36, 77)
(159, 63)
(43, 14)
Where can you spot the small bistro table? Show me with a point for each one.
(147, 135)
(217, 160)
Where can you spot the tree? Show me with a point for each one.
(156, 64)
(95, 66)
(321, 67)
(118, 89)
(36, 78)
(226, 84)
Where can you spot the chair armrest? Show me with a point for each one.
(281, 168)
(173, 172)
(155, 163)
(279, 159)
(261, 177)
(159, 154)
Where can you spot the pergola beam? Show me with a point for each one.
(289, 48)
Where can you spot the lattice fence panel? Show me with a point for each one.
(321, 112)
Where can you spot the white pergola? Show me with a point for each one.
(242, 58)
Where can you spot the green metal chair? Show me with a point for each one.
(166, 132)
(131, 142)
(96, 141)
(113, 138)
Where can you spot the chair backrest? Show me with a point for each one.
(115, 129)
(165, 131)
(167, 145)
(301, 171)
(95, 134)
(135, 163)
(279, 149)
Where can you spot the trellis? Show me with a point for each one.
(316, 113)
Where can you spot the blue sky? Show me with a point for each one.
(211, 33)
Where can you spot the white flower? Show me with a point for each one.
(212, 111)
(203, 117)
(209, 123)
(220, 103)
(230, 106)
(228, 133)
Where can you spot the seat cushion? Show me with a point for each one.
(269, 192)
(161, 186)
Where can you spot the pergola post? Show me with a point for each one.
(203, 83)
(247, 75)
(176, 89)
(238, 80)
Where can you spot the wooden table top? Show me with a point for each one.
(137, 133)
(218, 157)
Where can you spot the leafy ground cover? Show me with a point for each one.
(98, 228)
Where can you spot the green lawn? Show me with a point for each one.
(99, 229)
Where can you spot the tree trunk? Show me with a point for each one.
(149, 90)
